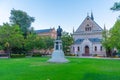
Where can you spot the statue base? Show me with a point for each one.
(58, 57)
(58, 54)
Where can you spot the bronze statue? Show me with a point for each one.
(59, 30)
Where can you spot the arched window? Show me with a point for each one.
(95, 48)
(100, 48)
(87, 25)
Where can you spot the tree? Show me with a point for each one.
(10, 36)
(49, 44)
(115, 30)
(22, 19)
(116, 6)
(30, 42)
(33, 42)
(115, 35)
(111, 38)
(67, 40)
(106, 41)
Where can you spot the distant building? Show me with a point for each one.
(87, 38)
(47, 32)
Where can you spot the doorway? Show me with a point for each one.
(86, 51)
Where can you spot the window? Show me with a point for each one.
(85, 29)
(88, 29)
(87, 25)
(95, 48)
(78, 49)
(100, 48)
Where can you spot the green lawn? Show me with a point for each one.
(76, 69)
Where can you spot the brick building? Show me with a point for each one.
(47, 32)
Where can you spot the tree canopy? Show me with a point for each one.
(22, 19)
(111, 37)
(12, 40)
(67, 40)
(116, 6)
(115, 35)
(114, 32)
(10, 37)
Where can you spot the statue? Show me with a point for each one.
(59, 30)
(58, 54)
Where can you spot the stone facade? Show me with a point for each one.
(87, 38)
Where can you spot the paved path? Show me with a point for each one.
(100, 57)
(3, 57)
(92, 57)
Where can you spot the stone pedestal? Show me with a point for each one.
(58, 54)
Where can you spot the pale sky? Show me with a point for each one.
(66, 13)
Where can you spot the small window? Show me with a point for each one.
(95, 48)
(78, 49)
(88, 29)
(100, 48)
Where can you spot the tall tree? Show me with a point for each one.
(106, 41)
(67, 40)
(10, 37)
(115, 30)
(115, 35)
(22, 19)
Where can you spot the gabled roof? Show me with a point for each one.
(43, 31)
(91, 23)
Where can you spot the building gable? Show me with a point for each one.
(89, 25)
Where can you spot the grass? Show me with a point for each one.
(76, 69)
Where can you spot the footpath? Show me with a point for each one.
(92, 57)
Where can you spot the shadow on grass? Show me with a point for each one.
(98, 76)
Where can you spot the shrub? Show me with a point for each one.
(69, 54)
(37, 54)
(94, 55)
(17, 55)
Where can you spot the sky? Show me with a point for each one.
(66, 13)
